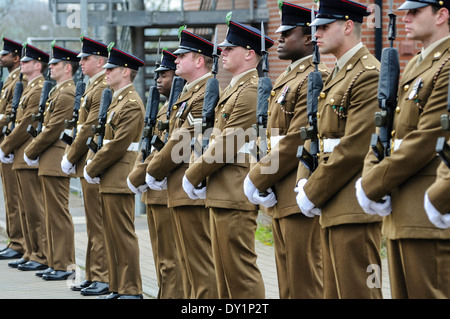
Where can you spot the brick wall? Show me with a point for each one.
(406, 47)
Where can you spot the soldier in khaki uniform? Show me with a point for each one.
(93, 56)
(351, 239)
(167, 167)
(296, 237)
(436, 201)
(46, 151)
(10, 59)
(33, 65)
(233, 217)
(395, 187)
(110, 167)
(159, 216)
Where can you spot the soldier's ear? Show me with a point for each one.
(308, 40)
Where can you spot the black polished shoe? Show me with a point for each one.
(95, 289)
(9, 253)
(84, 284)
(113, 295)
(45, 271)
(58, 275)
(131, 297)
(16, 263)
(32, 265)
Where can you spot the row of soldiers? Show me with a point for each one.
(202, 210)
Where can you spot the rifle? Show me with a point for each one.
(212, 93)
(442, 148)
(100, 127)
(1, 79)
(72, 124)
(176, 89)
(151, 111)
(47, 86)
(18, 90)
(387, 94)
(262, 103)
(315, 84)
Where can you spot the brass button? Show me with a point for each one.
(397, 109)
(406, 88)
(322, 95)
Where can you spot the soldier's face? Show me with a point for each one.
(419, 23)
(6, 60)
(232, 58)
(114, 77)
(27, 67)
(90, 65)
(164, 82)
(330, 38)
(185, 64)
(293, 44)
(57, 71)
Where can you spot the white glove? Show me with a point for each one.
(439, 220)
(90, 180)
(154, 184)
(137, 190)
(191, 191)
(31, 162)
(66, 166)
(371, 207)
(6, 159)
(306, 206)
(253, 196)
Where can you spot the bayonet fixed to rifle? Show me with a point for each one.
(72, 124)
(151, 111)
(176, 89)
(99, 129)
(442, 147)
(315, 84)
(39, 117)
(11, 118)
(387, 94)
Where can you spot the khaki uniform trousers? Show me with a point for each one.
(349, 255)
(298, 256)
(162, 237)
(60, 230)
(96, 257)
(193, 240)
(35, 234)
(13, 209)
(233, 242)
(122, 244)
(427, 264)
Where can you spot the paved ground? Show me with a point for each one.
(16, 284)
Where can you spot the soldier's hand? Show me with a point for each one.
(439, 220)
(29, 161)
(249, 190)
(6, 159)
(191, 191)
(382, 208)
(137, 190)
(154, 184)
(306, 206)
(67, 167)
(89, 179)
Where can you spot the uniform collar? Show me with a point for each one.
(193, 83)
(431, 47)
(119, 91)
(235, 79)
(96, 76)
(348, 55)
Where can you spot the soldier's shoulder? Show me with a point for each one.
(370, 62)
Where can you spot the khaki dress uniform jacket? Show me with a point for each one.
(346, 108)
(28, 181)
(406, 175)
(296, 237)
(233, 217)
(77, 152)
(191, 217)
(13, 209)
(113, 162)
(55, 184)
(160, 224)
